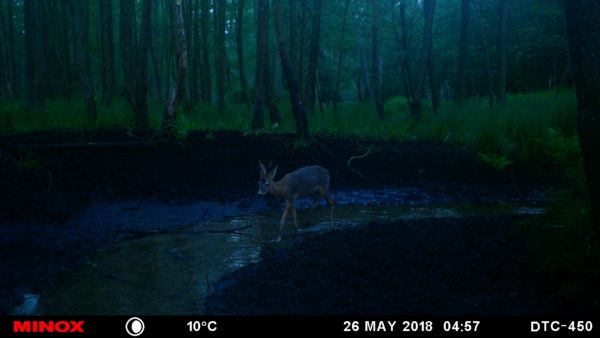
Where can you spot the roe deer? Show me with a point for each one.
(310, 181)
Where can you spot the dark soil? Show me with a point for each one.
(464, 266)
(46, 179)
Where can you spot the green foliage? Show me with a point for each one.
(536, 129)
(496, 162)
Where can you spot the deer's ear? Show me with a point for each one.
(272, 174)
(263, 170)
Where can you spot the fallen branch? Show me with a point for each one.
(369, 151)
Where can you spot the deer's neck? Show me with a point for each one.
(278, 188)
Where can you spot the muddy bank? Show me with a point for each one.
(51, 176)
(465, 266)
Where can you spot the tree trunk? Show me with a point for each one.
(364, 78)
(583, 31)
(188, 96)
(82, 57)
(268, 78)
(66, 54)
(11, 49)
(301, 48)
(220, 57)
(108, 61)
(4, 60)
(153, 52)
(4, 77)
(194, 53)
(313, 57)
(294, 91)
(433, 82)
(463, 49)
(140, 107)
(502, 46)
(258, 120)
(293, 14)
(377, 61)
(239, 41)
(415, 106)
(126, 22)
(167, 128)
(486, 56)
(338, 73)
(405, 60)
(32, 81)
(205, 78)
(52, 63)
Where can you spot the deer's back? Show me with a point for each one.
(307, 180)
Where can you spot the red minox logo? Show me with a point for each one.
(59, 326)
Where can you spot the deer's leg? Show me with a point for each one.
(283, 219)
(331, 204)
(294, 214)
(313, 203)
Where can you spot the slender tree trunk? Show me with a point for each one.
(433, 82)
(405, 61)
(188, 85)
(502, 46)
(293, 15)
(364, 70)
(566, 71)
(206, 82)
(41, 49)
(377, 61)
(220, 56)
(4, 76)
(126, 22)
(53, 81)
(338, 72)
(108, 61)
(583, 31)
(486, 56)
(313, 57)
(168, 122)
(239, 41)
(140, 107)
(301, 48)
(269, 77)
(294, 90)
(11, 47)
(258, 120)
(318, 92)
(32, 85)
(429, 8)
(194, 52)
(153, 52)
(82, 57)
(66, 54)
(41, 52)
(463, 49)
(4, 56)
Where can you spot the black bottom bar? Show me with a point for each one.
(350, 326)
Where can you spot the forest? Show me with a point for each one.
(485, 101)
(235, 61)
